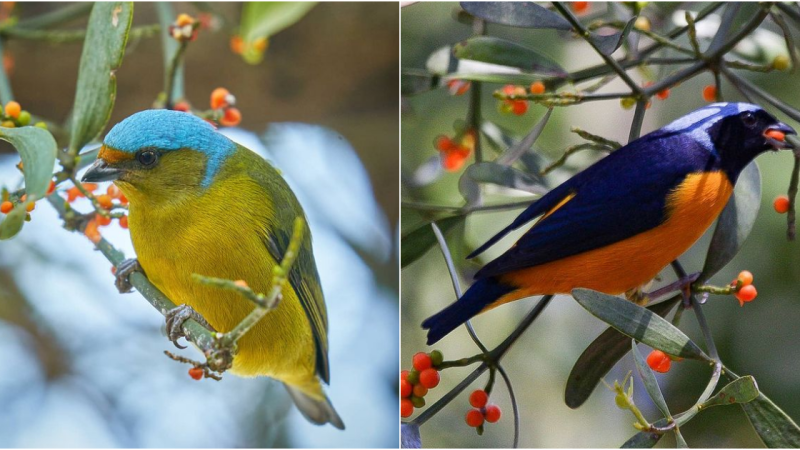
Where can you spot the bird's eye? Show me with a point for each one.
(147, 157)
(749, 119)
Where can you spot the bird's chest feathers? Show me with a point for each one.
(695, 203)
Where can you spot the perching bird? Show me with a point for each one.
(614, 226)
(199, 203)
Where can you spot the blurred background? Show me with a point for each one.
(84, 364)
(759, 339)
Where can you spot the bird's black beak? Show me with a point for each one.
(775, 135)
(101, 171)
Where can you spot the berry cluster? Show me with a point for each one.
(185, 28)
(13, 116)
(455, 151)
(111, 199)
(7, 205)
(222, 111)
(481, 410)
(745, 291)
(414, 384)
(239, 46)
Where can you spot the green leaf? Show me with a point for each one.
(418, 242)
(515, 152)
(502, 78)
(734, 223)
(103, 50)
(679, 440)
(774, 427)
(642, 440)
(517, 14)
(649, 380)
(610, 43)
(262, 20)
(740, 390)
(491, 172)
(37, 149)
(639, 323)
(600, 356)
(506, 53)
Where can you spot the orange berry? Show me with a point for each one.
(231, 117)
(452, 162)
(659, 361)
(663, 95)
(240, 283)
(237, 45)
(219, 98)
(419, 390)
(113, 270)
(429, 378)
(405, 388)
(123, 222)
(13, 109)
(580, 7)
(91, 231)
(442, 143)
(72, 194)
(184, 19)
(105, 201)
(196, 373)
(509, 89)
(458, 87)
(421, 361)
(775, 134)
(113, 191)
(781, 204)
(745, 277)
(91, 187)
(51, 187)
(30, 206)
(746, 294)
(6, 207)
(406, 408)
(123, 200)
(474, 418)
(478, 398)
(260, 44)
(182, 106)
(537, 87)
(492, 413)
(710, 93)
(102, 220)
(519, 107)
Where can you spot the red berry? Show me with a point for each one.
(182, 106)
(404, 375)
(123, 222)
(710, 93)
(452, 162)
(72, 194)
(219, 98)
(105, 201)
(406, 408)
(458, 87)
(519, 107)
(442, 143)
(113, 270)
(580, 7)
(405, 388)
(745, 277)
(746, 294)
(123, 200)
(6, 207)
(659, 361)
(474, 418)
(422, 361)
(429, 378)
(775, 134)
(663, 95)
(478, 398)
(102, 220)
(492, 413)
(231, 117)
(196, 373)
(781, 204)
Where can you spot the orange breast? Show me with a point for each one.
(692, 208)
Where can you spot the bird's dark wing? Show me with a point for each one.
(620, 196)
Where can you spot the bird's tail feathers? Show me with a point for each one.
(480, 295)
(317, 411)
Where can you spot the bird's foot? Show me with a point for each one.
(684, 285)
(177, 316)
(124, 271)
(637, 296)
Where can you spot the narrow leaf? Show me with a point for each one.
(416, 81)
(642, 440)
(418, 242)
(735, 222)
(775, 428)
(513, 153)
(507, 176)
(37, 149)
(639, 323)
(600, 356)
(261, 20)
(608, 44)
(506, 53)
(502, 78)
(649, 380)
(679, 440)
(102, 54)
(740, 390)
(517, 14)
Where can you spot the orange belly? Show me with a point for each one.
(692, 207)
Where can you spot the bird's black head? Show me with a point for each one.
(743, 133)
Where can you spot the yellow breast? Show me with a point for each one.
(691, 208)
